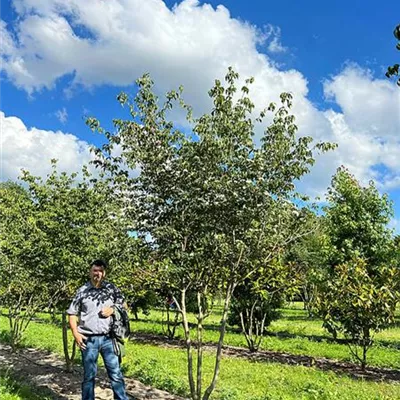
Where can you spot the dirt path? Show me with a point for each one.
(46, 371)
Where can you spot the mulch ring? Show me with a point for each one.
(45, 371)
(353, 370)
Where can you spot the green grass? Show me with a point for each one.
(239, 379)
(294, 333)
(12, 389)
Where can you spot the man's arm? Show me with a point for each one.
(73, 310)
(79, 338)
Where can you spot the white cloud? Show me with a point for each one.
(32, 149)
(115, 41)
(369, 105)
(366, 129)
(191, 45)
(275, 45)
(62, 115)
(368, 126)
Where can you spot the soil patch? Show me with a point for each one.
(45, 371)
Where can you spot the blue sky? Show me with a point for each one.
(62, 60)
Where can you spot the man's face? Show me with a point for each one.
(97, 273)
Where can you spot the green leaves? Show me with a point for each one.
(210, 198)
(215, 204)
(357, 219)
(50, 232)
(360, 292)
(22, 243)
(359, 304)
(394, 70)
(396, 32)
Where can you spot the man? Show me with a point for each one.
(94, 305)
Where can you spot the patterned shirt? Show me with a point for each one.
(87, 304)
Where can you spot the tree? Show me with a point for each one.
(131, 270)
(356, 221)
(359, 295)
(80, 222)
(22, 288)
(205, 198)
(253, 311)
(310, 255)
(359, 304)
(255, 300)
(395, 69)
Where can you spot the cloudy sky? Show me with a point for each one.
(63, 60)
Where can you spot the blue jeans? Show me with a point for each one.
(103, 345)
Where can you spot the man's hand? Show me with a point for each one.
(107, 312)
(80, 340)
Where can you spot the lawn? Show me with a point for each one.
(293, 333)
(239, 379)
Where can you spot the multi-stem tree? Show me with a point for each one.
(310, 256)
(205, 199)
(255, 301)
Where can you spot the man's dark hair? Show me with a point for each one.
(99, 263)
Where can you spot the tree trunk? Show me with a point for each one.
(200, 319)
(175, 324)
(244, 330)
(188, 346)
(364, 357)
(16, 328)
(171, 324)
(68, 359)
(366, 343)
(228, 295)
(254, 328)
(12, 324)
